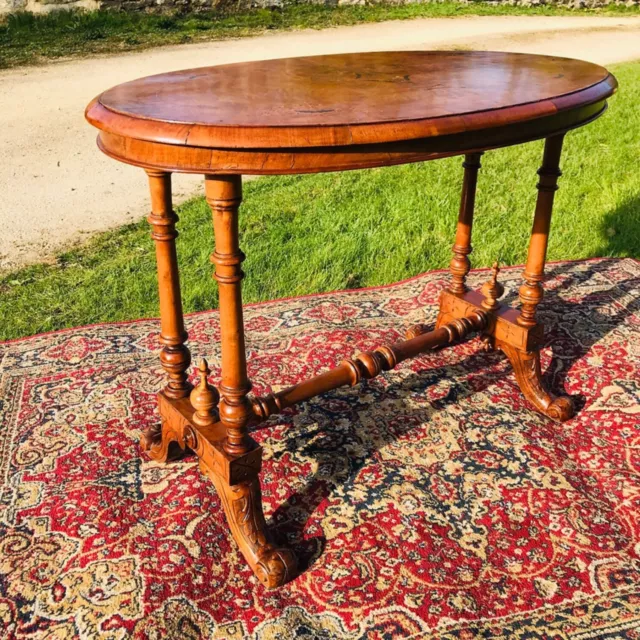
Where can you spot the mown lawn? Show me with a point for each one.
(29, 39)
(344, 230)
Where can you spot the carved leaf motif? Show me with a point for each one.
(526, 366)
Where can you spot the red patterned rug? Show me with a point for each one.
(432, 503)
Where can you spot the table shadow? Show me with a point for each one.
(299, 507)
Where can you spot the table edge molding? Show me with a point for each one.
(265, 161)
(307, 137)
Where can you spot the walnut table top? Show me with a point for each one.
(344, 111)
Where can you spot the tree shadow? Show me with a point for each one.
(620, 231)
(603, 310)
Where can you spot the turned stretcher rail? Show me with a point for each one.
(367, 365)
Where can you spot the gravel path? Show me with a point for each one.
(57, 188)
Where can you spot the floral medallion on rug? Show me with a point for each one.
(431, 502)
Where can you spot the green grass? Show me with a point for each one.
(355, 229)
(28, 39)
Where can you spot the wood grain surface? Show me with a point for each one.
(347, 99)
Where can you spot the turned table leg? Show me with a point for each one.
(531, 292)
(526, 364)
(241, 500)
(460, 263)
(224, 195)
(175, 356)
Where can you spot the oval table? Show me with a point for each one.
(333, 113)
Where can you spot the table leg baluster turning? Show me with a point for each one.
(350, 111)
(174, 356)
(460, 263)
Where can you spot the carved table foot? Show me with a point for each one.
(526, 366)
(234, 477)
(520, 344)
(273, 566)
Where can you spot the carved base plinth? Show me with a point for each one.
(162, 450)
(520, 344)
(235, 479)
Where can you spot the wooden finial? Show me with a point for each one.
(492, 290)
(204, 398)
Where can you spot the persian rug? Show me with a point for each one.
(430, 503)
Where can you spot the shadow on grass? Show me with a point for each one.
(620, 231)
